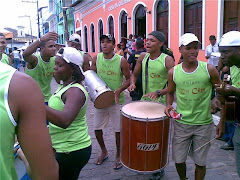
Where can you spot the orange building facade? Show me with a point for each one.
(172, 17)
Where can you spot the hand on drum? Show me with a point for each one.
(117, 95)
(152, 95)
(167, 110)
(132, 87)
(220, 129)
(215, 105)
(227, 90)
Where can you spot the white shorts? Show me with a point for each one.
(102, 117)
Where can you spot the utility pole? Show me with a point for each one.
(65, 22)
(38, 10)
(39, 34)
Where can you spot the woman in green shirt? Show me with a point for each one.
(67, 115)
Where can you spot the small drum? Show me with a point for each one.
(100, 94)
(144, 136)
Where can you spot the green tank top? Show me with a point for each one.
(76, 136)
(7, 126)
(193, 91)
(109, 70)
(43, 74)
(157, 76)
(4, 59)
(235, 76)
(82, 53)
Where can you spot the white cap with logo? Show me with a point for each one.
(71, 55)
(75, 38)
(187, 38)
(231, 38)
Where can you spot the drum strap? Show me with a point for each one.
(146, 75)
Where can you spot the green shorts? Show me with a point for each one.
(187, 138)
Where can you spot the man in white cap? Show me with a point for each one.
(193, 81)
(229, 47)
(75, 42)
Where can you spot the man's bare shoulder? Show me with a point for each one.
(22, 83)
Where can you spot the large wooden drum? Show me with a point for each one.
(144, 136)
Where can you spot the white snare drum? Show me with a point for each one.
(100, 94)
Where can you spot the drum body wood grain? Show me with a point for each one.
(144, 136)
(100, 94)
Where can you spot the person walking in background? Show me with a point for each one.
(3, 44)
(23, 113)
(119, 50)
(75, 42)
(105, 62)
(23, 61)
(192, 80)
(40, 66)
(132, 60)
(212, 54)
(229, 47)
(16, 58)
(67, 115)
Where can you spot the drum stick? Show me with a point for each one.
(205, 144)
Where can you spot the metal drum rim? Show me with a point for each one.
(143, 119)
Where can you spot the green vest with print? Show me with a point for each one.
(76, 136)
(193, 92)
(82, 53)
(5, 59)
(43, 74)
(7, 126)
(235, 76)
(109, 70)
(157, 76)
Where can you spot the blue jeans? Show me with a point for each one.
(236, 142)
(16, 62)
(229, 132)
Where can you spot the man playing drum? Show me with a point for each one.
(154, 66)
(110, 68)
(193, 81)
(229, 47)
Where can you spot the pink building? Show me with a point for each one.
(172, 17)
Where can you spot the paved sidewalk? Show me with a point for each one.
(220, 163)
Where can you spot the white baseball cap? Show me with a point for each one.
(231, 38)
(71, 55)
(187, 38)
(75, 38)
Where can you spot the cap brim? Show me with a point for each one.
(185, 44)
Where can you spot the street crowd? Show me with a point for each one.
(52, 129)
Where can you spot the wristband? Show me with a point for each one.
(158, 93)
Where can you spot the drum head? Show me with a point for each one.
(144, 109)
(104, 100)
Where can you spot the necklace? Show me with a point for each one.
(64, 86)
